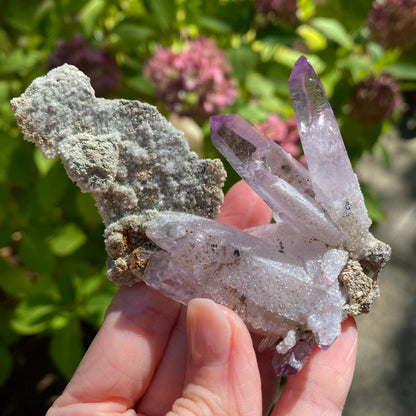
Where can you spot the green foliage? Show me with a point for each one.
(52, 256)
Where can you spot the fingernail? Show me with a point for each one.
(209, 332)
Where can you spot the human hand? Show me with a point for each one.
(153, 356)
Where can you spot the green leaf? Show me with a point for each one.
(253, 113)
(312, 37)
(275, 105)
(259, 86)
(306, 9)
(94, 309)
(242, 60)
(87, 209)
(13, 280)
(44, 165)
(330, 80)
(19, 61)
(402, 70)
(373, 204)
(214, 24)
(141, 85)
(66, 240)
(51, 187)
(359, 66)
(288, 57)
(333, 30)
(89, 15)
(163, 10)
(66, 348)
(34, 315)
(6, 363)
(35, 254)
(134, 31)
(4, 202)
(66, 289)
(375, 50)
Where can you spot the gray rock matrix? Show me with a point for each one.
(126, 153)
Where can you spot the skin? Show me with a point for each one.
(153, 356)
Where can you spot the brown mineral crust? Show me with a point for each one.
(362, 289)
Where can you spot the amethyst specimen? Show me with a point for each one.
(292, 281)
(296, 280)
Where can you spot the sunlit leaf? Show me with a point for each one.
(44, 165)
(34, 314)
(333, 30)
(19, 61)
(89, 15)
(94, 309)
(312, 37)
(66, 348)
(306, 9)
(66, 240)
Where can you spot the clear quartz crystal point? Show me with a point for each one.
(274, 174)
(334, 183)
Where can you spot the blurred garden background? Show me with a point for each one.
(193, 59)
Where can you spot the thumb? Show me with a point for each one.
(222, 374)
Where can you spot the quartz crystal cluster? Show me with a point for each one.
(295, 280)
(292, 281)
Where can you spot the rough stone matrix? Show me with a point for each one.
(128, 155)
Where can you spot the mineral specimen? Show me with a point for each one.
(128, 155)
(296, 280)
(292, 281)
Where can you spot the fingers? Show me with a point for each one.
(121, 361)
(243, 208)
(222, 375)
(322, 386)
(168, 381)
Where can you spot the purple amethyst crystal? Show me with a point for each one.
(298, 276)
(290, 362)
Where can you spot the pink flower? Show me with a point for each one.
(393, 23)
(375, 99)
(194, 82)
(285, 133)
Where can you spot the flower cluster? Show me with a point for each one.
(285, 133)
(99, 65)
(194, 82)
(393, 23)
(375, 99)
(284, 10)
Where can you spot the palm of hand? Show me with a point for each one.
(153, 356)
